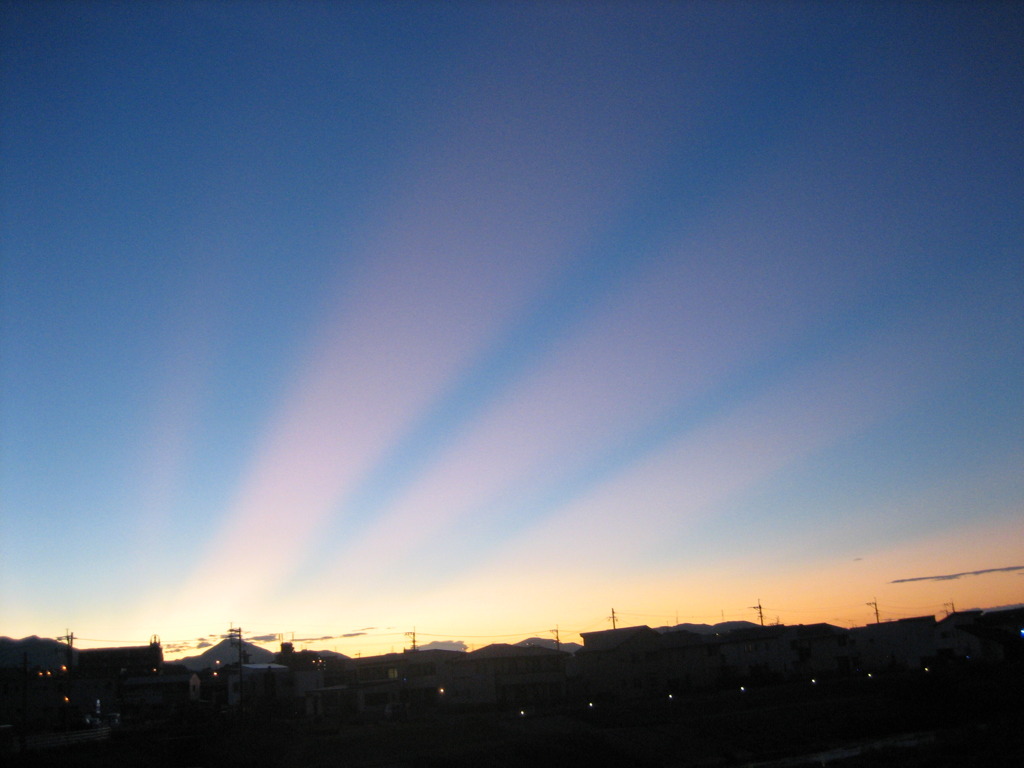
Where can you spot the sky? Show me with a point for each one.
(483, 319)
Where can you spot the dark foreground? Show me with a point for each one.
(949, 719)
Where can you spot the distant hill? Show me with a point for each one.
(547, 642)
(226, 653)
(709, 629)
(39, 651)
(332, 655)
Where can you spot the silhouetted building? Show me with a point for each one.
(638, 662)
(160, 696)
(620, 664)
(338, 703)
(98, 682)
(750, 655)
(396, 684)
(818, 649)
(504, 675)
(34, 698)
(133, 661)
(986, 637)
(308, 670)
(894, 645)
(261, 685)
(686, 661)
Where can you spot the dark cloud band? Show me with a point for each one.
(952, 576)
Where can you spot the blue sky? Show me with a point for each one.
(476, 316)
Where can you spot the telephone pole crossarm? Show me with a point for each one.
(760, 611)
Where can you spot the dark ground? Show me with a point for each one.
(954, 719)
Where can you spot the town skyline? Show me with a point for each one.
(811, 691)
(371, 641)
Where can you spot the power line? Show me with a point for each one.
(98, 640)
(812, 610)
(449, 635)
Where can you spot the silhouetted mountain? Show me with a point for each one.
(227, 653)
(710, 629)
(41, 652)
(333, 655)
(547, 642)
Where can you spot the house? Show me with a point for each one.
(261, 685)
(396, 684)
(688, 661)
(35, 698)
(818, 649)
(638, 662)
(502, 675)
(894, 645)
(750, 655)
(308, 670)
(620, 664)
(133, 661)
(158, 696)
(1005, 627)
(99, 681)
(981, 636)
(334, 702)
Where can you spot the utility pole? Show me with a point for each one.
(558, 642)
(874, 604)
(413, 636)
(950, 607)
(612, 617)
(235, 634)
(760, 611)
(23, 730)
(69, 638)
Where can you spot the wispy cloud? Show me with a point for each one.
(952, 576)
(178, 647)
